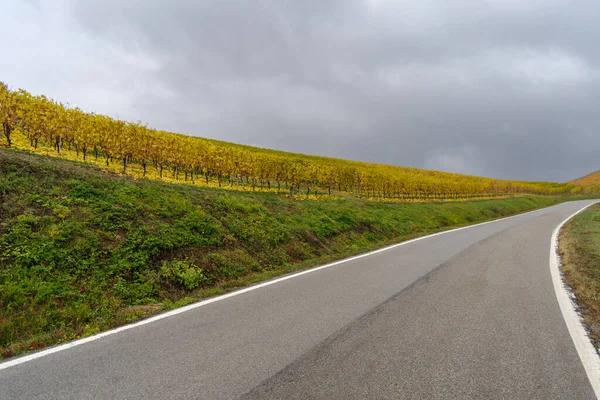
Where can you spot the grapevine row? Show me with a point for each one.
(46, 122)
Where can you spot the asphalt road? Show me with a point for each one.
(470, 314)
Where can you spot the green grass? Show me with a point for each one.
(83, 251)
(580, 252)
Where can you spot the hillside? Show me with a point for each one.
(83, 250)
(588, 181)
(38, 124)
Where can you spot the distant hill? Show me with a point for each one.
(592, 179)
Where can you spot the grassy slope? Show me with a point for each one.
(82, 250)
(580, 251)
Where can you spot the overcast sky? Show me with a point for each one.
(503, 88)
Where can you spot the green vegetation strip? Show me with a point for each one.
(580, 251)
(83, 251)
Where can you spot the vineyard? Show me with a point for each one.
(591, 182)
(42, 125)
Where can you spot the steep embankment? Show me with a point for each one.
(82, 250)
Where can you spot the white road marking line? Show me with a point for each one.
(587, 353)
(66, 346)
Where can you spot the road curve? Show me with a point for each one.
(463, 315)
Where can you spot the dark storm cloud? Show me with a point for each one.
(503, 88)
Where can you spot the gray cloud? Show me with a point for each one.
(502, 88)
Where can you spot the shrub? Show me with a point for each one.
(183, 273)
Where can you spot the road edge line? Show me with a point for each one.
(585, 349)
(202, 303)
